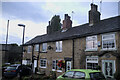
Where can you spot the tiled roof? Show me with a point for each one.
(104, 26)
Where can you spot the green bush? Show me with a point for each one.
(117, 75)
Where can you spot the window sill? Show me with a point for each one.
(43, 51)
(29, 52)
(58, 51)
(114, 49)
(57, 70)
(53, 70)
(36, 51)
(91, 49)
(42, 67)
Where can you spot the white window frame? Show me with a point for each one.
(94, 43)
(44, 47)
(112, 38)
(68, 62)
(92, 59)
(43, 63)
(55, 65)
(36, 47)
(29, 49)
(58, 46)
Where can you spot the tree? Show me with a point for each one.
(55, 24)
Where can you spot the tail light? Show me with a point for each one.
(5, 71)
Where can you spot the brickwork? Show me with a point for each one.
(80, 53)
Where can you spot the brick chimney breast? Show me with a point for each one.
(67, 23)
(94, 15)
(49, 28)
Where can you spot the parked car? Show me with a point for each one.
(82, 74)
(4, 66)
(17, 70)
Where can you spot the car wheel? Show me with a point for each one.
(18, 75)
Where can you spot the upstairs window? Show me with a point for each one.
(29, 50)
(37, 47)
(59, 46)
(91, 43)
(108, 42)
(44, 47)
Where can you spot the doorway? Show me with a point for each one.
(108, 68)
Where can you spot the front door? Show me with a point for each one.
(108, 68)
(35, 65)
(68, 65)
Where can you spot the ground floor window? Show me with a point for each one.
(43, 63)
(55, 67)
(91, 62)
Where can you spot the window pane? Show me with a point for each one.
(69, 74)
(97, 76)
(79, 75)
(37, 47)
(44, 47)
(108, 41)
(59, 46)
(108, 44)
(111, 71)
(91, 42)
(43, 62)
(54, 64)
(29, 48)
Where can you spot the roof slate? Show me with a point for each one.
(104, 26)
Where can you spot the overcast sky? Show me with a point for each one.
(35, 15)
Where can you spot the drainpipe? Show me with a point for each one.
(73, 53)
(38, 56)
(32, 57)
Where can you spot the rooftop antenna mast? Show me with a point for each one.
(72, 15)
(101, 6)
(92, 1)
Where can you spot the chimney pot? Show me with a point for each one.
(67, 23)
(94, 15)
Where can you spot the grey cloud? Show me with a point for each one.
(25, 11)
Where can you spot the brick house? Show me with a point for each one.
(84, 46)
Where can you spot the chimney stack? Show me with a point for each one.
(49, 28)
(94, 15)
(67, 23)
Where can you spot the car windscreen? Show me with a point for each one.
(11, 68)
(96, 76)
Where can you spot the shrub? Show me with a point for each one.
(117, 75)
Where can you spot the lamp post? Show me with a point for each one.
(22, 25)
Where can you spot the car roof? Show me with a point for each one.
(85, 70)
(15, 65)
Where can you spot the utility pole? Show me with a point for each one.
(7, 35)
